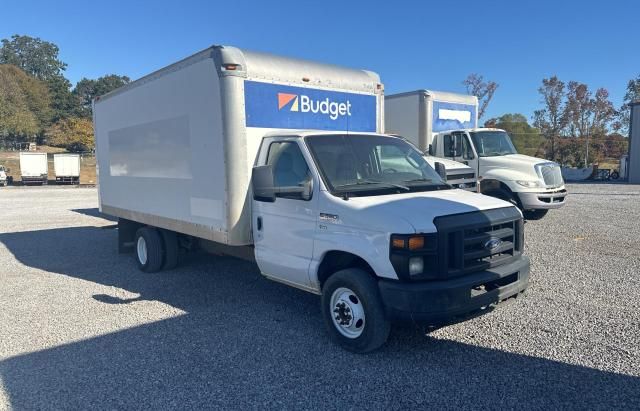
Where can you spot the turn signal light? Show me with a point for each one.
(398, 243)
(416, 243)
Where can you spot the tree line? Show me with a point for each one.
(38, 103)
(575, 125)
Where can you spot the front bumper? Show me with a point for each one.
(543, 200)
(442, 302)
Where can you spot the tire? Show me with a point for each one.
(355, 293)
(171, 249)
(148, 249)
(614, 176)
(534, 214)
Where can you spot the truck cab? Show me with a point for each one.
(3, 176)
(535, 185)
(458, 175)
(363, 220)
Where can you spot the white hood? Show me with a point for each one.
(516, 162)
(448, 164)
(396, 213)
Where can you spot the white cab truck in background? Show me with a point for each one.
(34, 168)
(4, 178)
(446, 124)
(457, 174)
(278, 161)
(67, 168)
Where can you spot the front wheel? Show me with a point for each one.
(534, 214)
(353, 311)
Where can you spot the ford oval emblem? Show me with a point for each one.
(492, 244)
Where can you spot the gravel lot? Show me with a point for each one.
(81, 327)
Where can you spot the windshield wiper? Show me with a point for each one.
(418, 180)
(368, 182)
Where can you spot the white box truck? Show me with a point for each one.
(277, 160)
(34, 168)
(67, 168)
(446, 124)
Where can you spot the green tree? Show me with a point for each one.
(24, 105)
(551, 120)
(39, 59)
(86, 90)
(526, 138)
(34, 56)
(624, 113)
(74, 134)
(63, 103)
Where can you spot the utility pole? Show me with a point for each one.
(586, 155)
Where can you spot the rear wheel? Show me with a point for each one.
(149, 249)
(534, 214)
(353, 311)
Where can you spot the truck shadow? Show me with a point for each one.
(248, 342)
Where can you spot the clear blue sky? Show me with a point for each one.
(421, 44)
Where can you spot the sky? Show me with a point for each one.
(410, 44)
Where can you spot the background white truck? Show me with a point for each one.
(67, 168)
(446, 124)
(4, 178)
(34, 168)
(276, 160)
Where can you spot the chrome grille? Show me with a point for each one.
(551, 174)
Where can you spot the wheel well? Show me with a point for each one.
(334, 261)
(489, 186)
(493, 187)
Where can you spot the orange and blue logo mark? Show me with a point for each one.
(285, 98)
(278, 106)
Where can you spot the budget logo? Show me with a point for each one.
(285, 98)
(306, 104)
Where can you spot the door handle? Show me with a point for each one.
(259, 224)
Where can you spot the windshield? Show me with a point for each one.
(371, 165)
(492, 143)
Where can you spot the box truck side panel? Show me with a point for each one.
(402, 116)
(453, 116)
(161, 153)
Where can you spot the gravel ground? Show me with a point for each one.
(80, 327)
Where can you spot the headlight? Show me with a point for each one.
(529, 184)
(416, 265)
(414, 256)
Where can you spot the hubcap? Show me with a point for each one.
(347, 312)
(141, 247)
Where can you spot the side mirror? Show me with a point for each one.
(430, 150)
(262, 182)
(264, 187)
(441, 170)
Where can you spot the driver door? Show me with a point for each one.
(460, 149)
(283, 230)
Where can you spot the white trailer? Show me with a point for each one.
(446, 125)
(277, 160)
(67, 168)
(34, 168)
